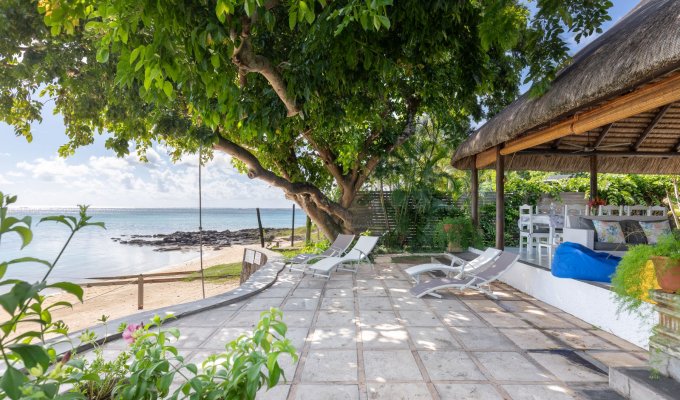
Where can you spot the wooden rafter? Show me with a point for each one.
(650, 127)
(644, 99)
(556, 143)
(620, 154)
(603, 135)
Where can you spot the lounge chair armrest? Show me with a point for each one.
(584, 237)
(361, 253)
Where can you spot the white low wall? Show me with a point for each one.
(588, 302)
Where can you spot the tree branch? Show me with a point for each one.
(256, 170)
(247, 61)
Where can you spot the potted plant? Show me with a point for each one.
(645, 267)
(457, 234)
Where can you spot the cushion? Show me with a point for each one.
(655, 229)
(609, 232)
(586, 223)
(575, 261)
(633, 232)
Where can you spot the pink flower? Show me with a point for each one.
(129, 332)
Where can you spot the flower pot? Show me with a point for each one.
(667, 273)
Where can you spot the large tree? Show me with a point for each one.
(307, 95)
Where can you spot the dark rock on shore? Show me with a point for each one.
(185, 240)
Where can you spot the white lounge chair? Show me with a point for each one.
(458, 265)
(337, 248)
(350, 261)
(479, 281)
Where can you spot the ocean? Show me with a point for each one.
(93, 253)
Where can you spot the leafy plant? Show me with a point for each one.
(635, 275)
(459, 231)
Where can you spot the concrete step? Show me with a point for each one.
(637, 384)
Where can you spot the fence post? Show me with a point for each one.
(292, 232)
(140, 292)
(259, 226)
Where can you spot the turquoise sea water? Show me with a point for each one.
(92, 253)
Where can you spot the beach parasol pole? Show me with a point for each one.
(200, 218)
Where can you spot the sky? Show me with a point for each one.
(95, 176)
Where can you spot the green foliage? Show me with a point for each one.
(458, 231)
(635, 276)
(310, 92)
(219, 272)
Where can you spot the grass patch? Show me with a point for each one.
(217, 273)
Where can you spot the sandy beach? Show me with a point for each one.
(119, 301)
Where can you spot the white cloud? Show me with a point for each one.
(5, 181)
(107, 181)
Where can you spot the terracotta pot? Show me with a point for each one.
(667, 273)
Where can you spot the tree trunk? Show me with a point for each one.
(329, 224)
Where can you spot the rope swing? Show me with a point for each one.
(200, 218)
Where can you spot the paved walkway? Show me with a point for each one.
(364, 336)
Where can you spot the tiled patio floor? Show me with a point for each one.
(364, 336)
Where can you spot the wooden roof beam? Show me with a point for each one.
(603, 135)
(650, 127)
(652, 96)
(620, 154)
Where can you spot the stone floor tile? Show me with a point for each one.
(398, 391)
(529, 338)
(544, 319)
(617, 358)
(449, 365)
(278, 392)
(192, 337)
(483, 339)
(297, 337)
(518, 306)
(617, 341)
(309, 282)
(298, 319)
(503, 320)
(263, 304)
(339, 292)
(486, 306)
(327, 392)
(400, 292)
(538, 392)
(333, 338)
(460, 319)
(408, 302)
(545, 306)
(581, 339)
(419, 318)
(567, 369)
(380, 337)
(335, 318)
(367, 284)
(330, 366)
(339, 284)
(447, 305)
(371, 318)
(374, 303)
(274, 292)
(337, 303)
(511, 366)
(392, 365)
(432, 338)
(467, 391)
(209, 318)
(398, 284)
(372, 292)
(306, 293)
(300, 304)
(244, 318)
(579, 323)
(224, 335)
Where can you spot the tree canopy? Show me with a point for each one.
(308, 95)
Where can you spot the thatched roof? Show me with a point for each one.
(642, 47)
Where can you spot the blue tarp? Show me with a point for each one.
(575, 261)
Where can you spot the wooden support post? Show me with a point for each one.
(140, 292)
(292, 232)
(308, 232)
(500, 200)
(259, 227)
(593, 177)
(474, 195)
